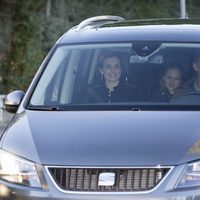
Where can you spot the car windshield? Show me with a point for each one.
(135, 74)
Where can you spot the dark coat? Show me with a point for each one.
(121, 93)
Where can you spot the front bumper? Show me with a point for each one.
(23, 193)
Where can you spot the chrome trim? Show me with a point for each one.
(128, 167)
(106, 179)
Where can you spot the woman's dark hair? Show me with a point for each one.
(108, 54)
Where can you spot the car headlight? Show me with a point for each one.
(190, 176)
(17, 170)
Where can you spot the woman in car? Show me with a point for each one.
(112, 88)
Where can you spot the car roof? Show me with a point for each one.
(172, 30)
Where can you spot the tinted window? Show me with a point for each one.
(144, 73)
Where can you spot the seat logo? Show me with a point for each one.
(106, 179)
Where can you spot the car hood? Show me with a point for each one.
(108, 138)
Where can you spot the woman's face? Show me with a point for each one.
(111, 69)
(172, 79)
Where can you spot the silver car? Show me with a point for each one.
(113, 113)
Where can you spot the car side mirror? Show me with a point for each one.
(13, 100)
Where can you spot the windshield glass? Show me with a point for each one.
(137, 73)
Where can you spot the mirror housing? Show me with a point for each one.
(13, 100)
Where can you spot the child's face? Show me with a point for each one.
(172, 79)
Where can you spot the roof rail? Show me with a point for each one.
(98, 20)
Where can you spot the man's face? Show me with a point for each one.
(172, 79)
(196, 67)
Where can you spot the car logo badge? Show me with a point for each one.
(106, 179)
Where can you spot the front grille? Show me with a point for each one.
(126, 180)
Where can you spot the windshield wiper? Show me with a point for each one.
(117, 107)
(44, 108)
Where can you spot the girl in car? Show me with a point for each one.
(169, 82)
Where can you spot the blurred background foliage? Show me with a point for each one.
(28, 28)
